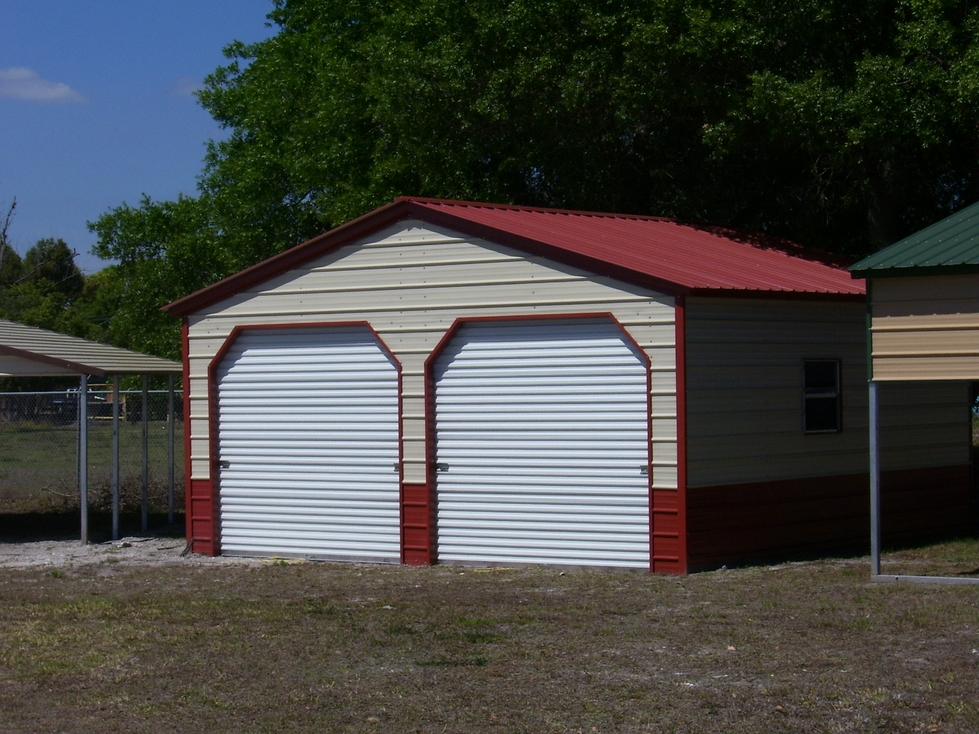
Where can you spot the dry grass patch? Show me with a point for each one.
(314, 647)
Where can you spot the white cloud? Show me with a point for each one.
(18, 82)
(186, 87)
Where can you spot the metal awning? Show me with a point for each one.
(27, 351)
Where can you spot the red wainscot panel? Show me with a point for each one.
(790, 518)
(201, 518)
(416, 525)
(665, 548)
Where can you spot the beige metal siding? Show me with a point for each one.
(744, 396)
(926, 328)
(411, 282)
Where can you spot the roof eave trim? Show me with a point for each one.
(915, 271)
(778, 294)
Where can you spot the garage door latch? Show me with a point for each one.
(442, 468)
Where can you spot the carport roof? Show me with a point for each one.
(948, 247)
(28, 350)
(657, 253)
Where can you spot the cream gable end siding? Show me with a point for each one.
(411, 282)
(744, 396)
(925, 328)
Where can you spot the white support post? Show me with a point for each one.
(874, 483)
(146, 455)
(83, 454)
(115, 457)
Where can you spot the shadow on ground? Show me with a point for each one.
(24, 527)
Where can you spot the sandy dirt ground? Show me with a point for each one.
(152, 551)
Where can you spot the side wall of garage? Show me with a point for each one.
(411, 283)
(759, 486)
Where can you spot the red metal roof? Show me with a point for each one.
(658, 253)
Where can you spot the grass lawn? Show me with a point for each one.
(38, 461)
(318, 647)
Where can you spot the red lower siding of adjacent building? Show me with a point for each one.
(744, 523)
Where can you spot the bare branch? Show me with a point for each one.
(4, 241)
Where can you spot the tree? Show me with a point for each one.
(837, 124)
(42, 288)
(164, 251)
(10, 262)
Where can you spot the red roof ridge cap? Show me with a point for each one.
(536, 209)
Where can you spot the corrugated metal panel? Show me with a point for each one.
(690, 257)
(952, 242)
(744, 397)
(411, 317)
(51, 353)
(926, 328)
(657, 253)
(542, 445)
(744, 389)
(308, 426)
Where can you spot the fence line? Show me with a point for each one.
(39, 449)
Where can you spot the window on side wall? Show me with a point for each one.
(821, 395)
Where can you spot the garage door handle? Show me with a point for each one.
(441, 468)
(644, 471)
(224, 464)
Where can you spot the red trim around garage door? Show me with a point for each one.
(429, 553)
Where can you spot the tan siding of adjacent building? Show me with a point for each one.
(744, 396)
(926, 328)
(410, 283)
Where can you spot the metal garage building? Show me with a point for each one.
(924, 328)
(444, 381)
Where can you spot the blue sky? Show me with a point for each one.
(97, 105)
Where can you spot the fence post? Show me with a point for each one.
(171, 420)
(115, 457)
(146, 454)
(83, 454)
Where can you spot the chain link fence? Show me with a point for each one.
(39, 450)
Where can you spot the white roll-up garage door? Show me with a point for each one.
(542, 445)
(308, 444)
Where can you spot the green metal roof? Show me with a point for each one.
(948, 247)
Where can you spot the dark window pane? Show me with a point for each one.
(822, 414)
(821, 376)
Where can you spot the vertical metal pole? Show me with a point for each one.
(874, 483)
(170, 431)
(115, 457)
(146, 455)
(83, 454)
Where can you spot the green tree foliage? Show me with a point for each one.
(42, 288)
(837, 124)
(164, 250)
